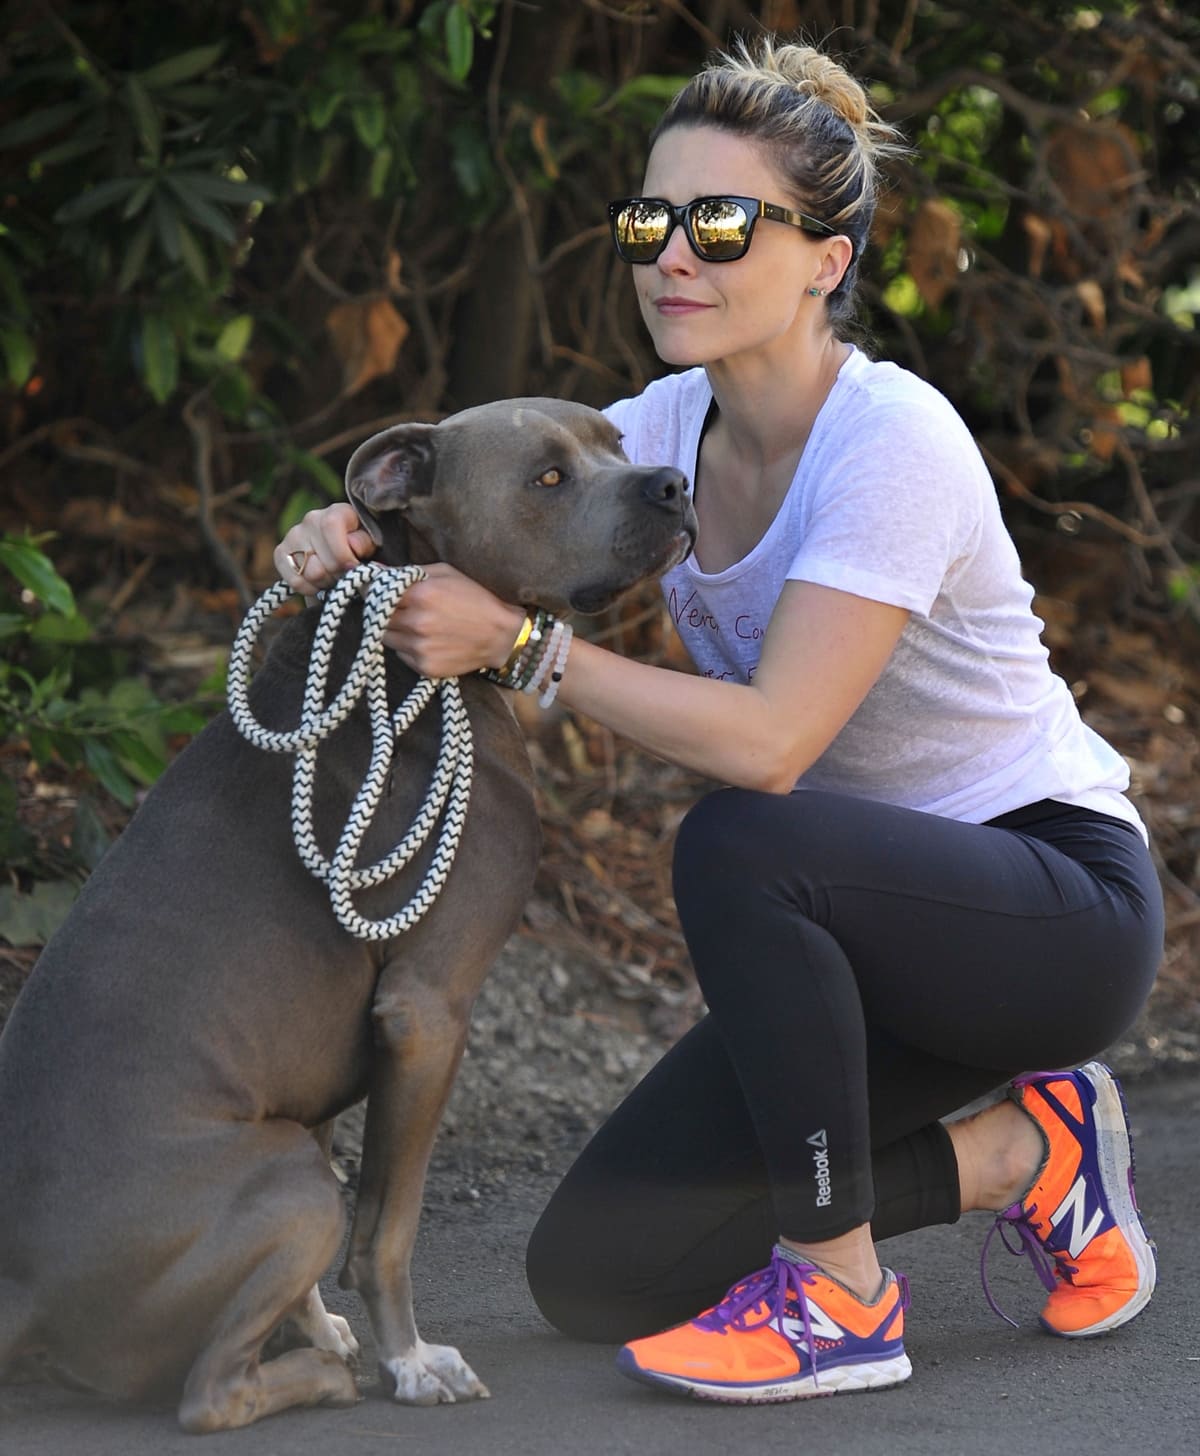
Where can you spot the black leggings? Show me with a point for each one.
(868, 970)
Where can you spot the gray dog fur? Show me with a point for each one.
(171, 1071)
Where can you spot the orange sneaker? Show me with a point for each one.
(787, 1332)
(1079, 1222)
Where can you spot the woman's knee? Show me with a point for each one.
(744, 858)
(574, 1294)
(726, 842)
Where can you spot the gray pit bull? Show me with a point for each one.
(170, 1074)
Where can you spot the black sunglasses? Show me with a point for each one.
(718, 229)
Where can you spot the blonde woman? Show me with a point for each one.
(924, 878)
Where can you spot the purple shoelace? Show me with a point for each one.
(770, 1288)
(1048, 1267)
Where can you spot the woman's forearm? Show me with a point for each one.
(823, 651)
(723, 730)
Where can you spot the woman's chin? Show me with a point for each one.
(680, 355)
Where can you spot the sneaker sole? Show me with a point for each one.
(833, 1380)
(1115, 1162)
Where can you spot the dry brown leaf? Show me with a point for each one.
(1140, 695)
(269, 47)
(933, 247)
(782, 16)
(96, 519)
(1137, 374)
(1061, 618)
(1095, 165)
(367, 334)
(1040, 233)
(1092, 297)
(1105, 433)
(1136, 648)
(890, 213)
(539, 134)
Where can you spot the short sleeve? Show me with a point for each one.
(890, 508)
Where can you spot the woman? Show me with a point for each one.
(924, 877)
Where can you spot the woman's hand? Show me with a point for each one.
(448, 625)
(444, 626)
(322, 547)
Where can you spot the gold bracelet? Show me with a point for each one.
(518, 645)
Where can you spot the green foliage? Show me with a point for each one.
(194, 192)
(66, 696)
(1035, 252)
(146, 163)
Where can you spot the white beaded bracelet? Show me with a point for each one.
(560, 663)
(546, 661)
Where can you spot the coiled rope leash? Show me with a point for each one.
(449, 788)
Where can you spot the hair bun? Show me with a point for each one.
(820, 77)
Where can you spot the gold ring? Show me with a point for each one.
(298, 560)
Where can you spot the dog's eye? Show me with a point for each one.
(550, 477)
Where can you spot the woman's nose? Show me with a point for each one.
(677, 256)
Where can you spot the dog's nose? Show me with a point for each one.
(664, 487)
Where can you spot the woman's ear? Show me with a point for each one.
(836, 256)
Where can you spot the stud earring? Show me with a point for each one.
(818, 292)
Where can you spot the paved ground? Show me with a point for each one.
(979, 1387)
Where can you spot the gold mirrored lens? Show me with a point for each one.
(720, 227)
(641, 227)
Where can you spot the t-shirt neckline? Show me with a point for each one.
(850, 366)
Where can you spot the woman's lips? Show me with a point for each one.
(672, 307)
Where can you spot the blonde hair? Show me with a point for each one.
(818, 124)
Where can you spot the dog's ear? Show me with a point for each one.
(388, 471)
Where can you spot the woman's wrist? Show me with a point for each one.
(510, 623)
(537, 659)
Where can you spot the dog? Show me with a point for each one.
(170, 1074)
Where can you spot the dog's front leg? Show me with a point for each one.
(419, 1039)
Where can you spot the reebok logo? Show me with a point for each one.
(1074, 1206)
(820, 1146)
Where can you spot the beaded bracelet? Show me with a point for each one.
(538, 658)
(530, 660)
(547, 658)
(560, 664)
(524, 649)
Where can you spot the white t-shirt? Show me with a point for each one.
(892, 501)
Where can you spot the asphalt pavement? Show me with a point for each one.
(978, 1386)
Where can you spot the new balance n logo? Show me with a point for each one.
(823, 1327)
(1074, 1206)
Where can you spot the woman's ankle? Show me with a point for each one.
(1000, 1152)
(850, 1259)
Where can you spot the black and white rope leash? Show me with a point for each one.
(449, 789)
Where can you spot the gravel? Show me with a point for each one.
(552, 1050)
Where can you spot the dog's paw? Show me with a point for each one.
(336, 1335)
(432, 1375)
(313, 1324)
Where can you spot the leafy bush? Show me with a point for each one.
(73, 704)
(237, 237)
(69, 698)
(147, 159)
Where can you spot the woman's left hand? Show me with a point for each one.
(449, 625)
